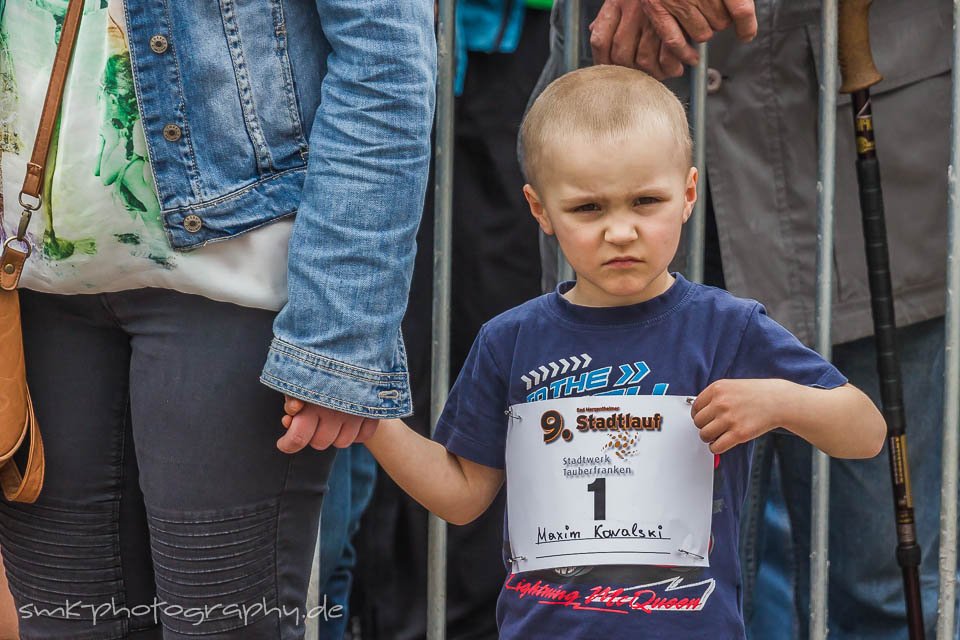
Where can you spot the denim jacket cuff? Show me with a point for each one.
(335, 384)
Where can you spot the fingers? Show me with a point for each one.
(713, 430)
(669, 32)
(694, 23)
(704, 416)
(367, 429)
(744, 15)
(669, 64)
(703, 399)
(720, 438)
(320, 427)
(348, 432)
(724, 443)
(602, 30)
(624, 49)
(648, 53)
(292, 406)
(328, 428)
(716, 15)
(300, 432)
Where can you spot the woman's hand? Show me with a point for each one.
(320, 427)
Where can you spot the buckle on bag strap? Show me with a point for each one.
(11, 263)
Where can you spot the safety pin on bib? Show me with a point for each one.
(509, 412)
(690, 553)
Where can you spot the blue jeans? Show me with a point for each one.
(350, 489)
(866, 591)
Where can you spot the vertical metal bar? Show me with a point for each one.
(820, 481)
(571, 60)
(313, 595)
(572, 15)
(442, 246)
(946, 622)
(698, 117)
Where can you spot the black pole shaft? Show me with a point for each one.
(888, 361)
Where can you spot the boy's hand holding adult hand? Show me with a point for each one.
(320, 427)
(730, 412)
(652, 34)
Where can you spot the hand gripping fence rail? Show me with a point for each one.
(946, 624)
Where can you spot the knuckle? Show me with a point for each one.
(297, 440)
(674, 42)
(645, 61)
(741, 8)
(620, 59)
(701, 34)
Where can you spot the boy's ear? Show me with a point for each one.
(690, 193)
(537, 210)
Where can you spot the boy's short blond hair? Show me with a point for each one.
(601, 100)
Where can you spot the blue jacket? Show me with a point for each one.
(320, 108)
(489, 26)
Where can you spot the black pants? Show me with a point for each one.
(496, 266)
(167, 511)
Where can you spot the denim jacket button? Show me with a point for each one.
(172, 132)
(192, 223)
(159, 44)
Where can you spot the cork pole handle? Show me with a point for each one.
(856, 60)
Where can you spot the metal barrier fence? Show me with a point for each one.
(946, 624)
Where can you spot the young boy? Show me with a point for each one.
(606, 151)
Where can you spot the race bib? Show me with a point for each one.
(607, 480)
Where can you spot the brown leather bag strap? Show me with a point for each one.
(33, 181)
(11, 258)
(25, 486)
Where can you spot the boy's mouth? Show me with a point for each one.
(622, 262)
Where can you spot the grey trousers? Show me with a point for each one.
(167, 510)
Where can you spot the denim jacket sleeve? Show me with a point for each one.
(337, 341)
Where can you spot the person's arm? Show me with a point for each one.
(452, 487)
(842, 422)
(337, 341)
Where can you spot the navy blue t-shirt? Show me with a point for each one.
(674, 344)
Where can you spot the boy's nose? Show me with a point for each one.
(621, 233)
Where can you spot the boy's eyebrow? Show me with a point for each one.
(647, 190)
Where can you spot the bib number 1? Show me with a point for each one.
(599, 490)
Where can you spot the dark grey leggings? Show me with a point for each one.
(167, 510)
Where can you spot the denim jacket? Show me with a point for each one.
(320, 108)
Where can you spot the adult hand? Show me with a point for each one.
(320, 427)
(656, 31)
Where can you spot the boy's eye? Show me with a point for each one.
(644, 200)
(586, 208)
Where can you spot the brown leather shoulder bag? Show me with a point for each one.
(18, 424)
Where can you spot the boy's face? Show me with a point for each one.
(617, 205)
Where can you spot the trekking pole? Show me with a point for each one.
(859, 74)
